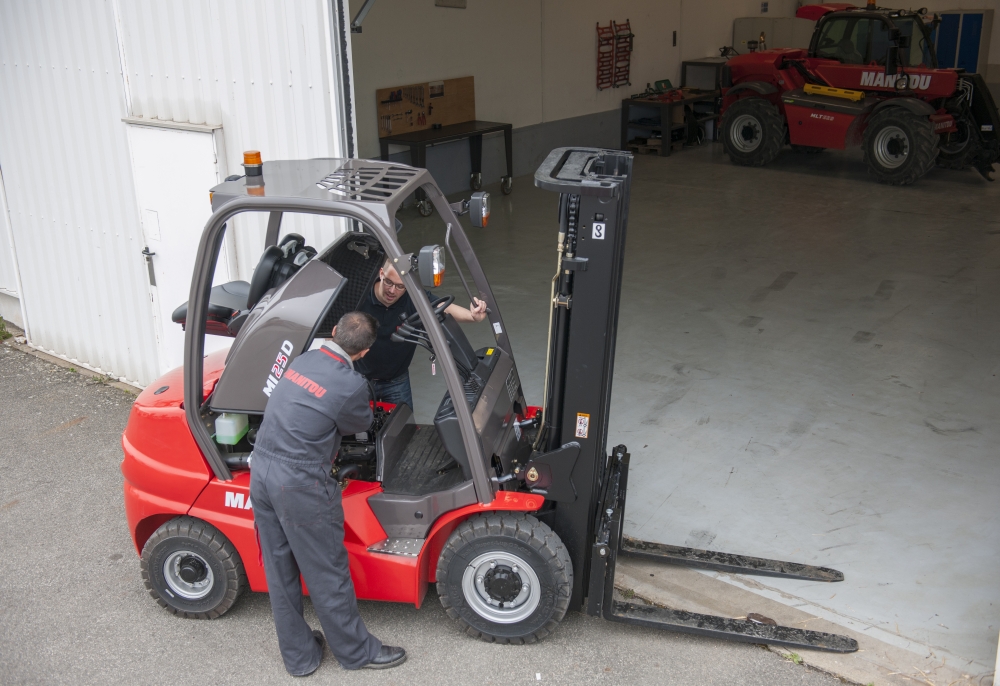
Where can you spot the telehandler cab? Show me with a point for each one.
(514, 511)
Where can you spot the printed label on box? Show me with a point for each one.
(582, 425)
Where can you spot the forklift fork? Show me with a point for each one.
(610, 543)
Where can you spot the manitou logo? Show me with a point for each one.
(278, 368)
(879, 79)
(235, 501)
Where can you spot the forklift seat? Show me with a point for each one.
(224, 305)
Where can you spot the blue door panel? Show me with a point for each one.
(968, 47)
(947, 40)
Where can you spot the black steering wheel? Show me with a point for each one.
(439, 306)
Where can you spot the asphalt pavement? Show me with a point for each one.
(73, 608)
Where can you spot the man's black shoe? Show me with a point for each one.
(388, 656)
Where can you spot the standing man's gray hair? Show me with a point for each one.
(356, 331)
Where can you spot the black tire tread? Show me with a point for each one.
(528, 530)
(208, 535)
(772, 123)
(924, 146)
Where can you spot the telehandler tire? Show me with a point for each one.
(191, 569)
(506, 577)
(900, 146)
(752, 132)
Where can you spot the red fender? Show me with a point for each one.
(505, 501)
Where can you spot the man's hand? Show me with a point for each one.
(477, 310)
(475, 313)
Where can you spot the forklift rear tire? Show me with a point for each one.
(506, 577)
(752, 132)
(191, 569)
(425, 208)
(900, 146)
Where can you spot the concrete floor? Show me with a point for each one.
(806, 370)
(73, 609)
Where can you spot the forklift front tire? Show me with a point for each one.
(191, 569)
(506, 577)
(425, 208)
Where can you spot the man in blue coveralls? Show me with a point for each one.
(297, 502)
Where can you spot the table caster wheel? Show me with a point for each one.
(506, 185)
(425, 208)
(476, 181)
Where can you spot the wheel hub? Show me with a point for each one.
(192, 569)
(502, 584)
(501, 587)
(747, 133)
(188, 574)
(891, 147)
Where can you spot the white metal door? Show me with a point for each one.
(173, 171)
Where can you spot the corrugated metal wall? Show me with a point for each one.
(68, 180)
(8, 276)
(260, 69)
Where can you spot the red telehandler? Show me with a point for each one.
(870, 77)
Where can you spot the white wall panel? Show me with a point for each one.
(8, 273)
(66, 171)
(260, 69)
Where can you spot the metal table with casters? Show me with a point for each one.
(418, 141)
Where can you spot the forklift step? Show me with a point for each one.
(729, 629)
(726, 562)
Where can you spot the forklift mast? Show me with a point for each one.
(593, 186)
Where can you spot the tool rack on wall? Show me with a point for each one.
(623, 52)
(605, 56)
(614, 54)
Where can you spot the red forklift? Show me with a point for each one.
(515, 511)
(870, 77)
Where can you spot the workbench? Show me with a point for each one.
(633, 120)
(418, 142)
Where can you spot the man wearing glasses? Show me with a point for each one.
(387, 364)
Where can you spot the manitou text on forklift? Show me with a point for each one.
(515, 511)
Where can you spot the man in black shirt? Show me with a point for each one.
(387, 363)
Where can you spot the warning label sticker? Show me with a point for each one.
(582, 425)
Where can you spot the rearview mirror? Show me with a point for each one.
(479, 209)
(430, 265)
(892, 53)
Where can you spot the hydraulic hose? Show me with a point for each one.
(552, 299)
